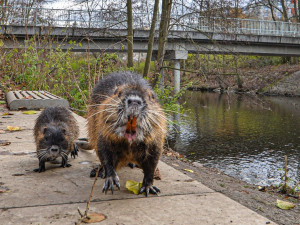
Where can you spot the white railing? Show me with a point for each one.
(117, 20)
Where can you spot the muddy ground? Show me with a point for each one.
(262, 202)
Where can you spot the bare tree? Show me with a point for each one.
(129, 34)
(162, 40)
(151, 39)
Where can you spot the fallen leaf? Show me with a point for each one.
(191, 171)
(157, 175)
(28, 97)
(6, 114)
(284, 205)
(14, 128)
(133, 186)
(4, 143)
(29, 112)
(2, 102)
(94, 218)
(4, 189)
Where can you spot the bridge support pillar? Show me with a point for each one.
(176, 75)
(176, 56)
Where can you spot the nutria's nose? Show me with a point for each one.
(54, 148)
(133, 101)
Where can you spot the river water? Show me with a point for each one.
(245, 136)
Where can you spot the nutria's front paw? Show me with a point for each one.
(101, 173)
(149, 189)
(75, 151)
(39, 170)
(109, 183)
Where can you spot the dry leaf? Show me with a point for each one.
(4, 143)
(191, 171)
(284, 205)
(157, 175)
(94, 218)
(29, 112)
(133, 186)
(14, 128)
(6, 114)
(4, 189)
(28, 97)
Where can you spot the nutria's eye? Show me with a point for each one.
(64, 131)
(120, 93)
(46, 138)
(45, 130)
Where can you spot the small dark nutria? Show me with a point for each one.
(55, 132)
(126, 124)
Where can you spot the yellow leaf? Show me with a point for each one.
(191, 171)
(11, 128)
(6, 114)
(29, 112)
(284, 205)
(94, 218)
(133, 186)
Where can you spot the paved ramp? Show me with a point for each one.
(53, 197)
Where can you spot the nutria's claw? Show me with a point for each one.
(75, 151)
(149, 189)
(109, 184)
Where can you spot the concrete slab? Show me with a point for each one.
(52, 197)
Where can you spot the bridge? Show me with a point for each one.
(107, 30)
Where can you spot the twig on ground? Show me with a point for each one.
(85, 215)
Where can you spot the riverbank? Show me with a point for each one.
(255, 80)
(262, 202)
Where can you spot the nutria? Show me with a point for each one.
(126, 124)
(55, 131)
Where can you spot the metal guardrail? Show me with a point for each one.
(117, 20)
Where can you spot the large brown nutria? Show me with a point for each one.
(126, 124)
(55, 131)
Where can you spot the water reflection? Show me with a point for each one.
(244, 136)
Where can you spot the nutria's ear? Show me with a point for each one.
(45, 130)
(118, 91)
(151, 95)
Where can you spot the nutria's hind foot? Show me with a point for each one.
(41, 168)
(149, 189)
(110, 182)
(75, 151)
(101, 173)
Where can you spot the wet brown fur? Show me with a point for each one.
(99, 125)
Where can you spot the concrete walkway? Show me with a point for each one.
(53, 197)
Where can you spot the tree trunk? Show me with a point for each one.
(272, 10)
(296, 11)
(284, 12)
(151, 39)
(162, 40)
(129, 34)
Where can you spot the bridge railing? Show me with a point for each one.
(117, 20)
